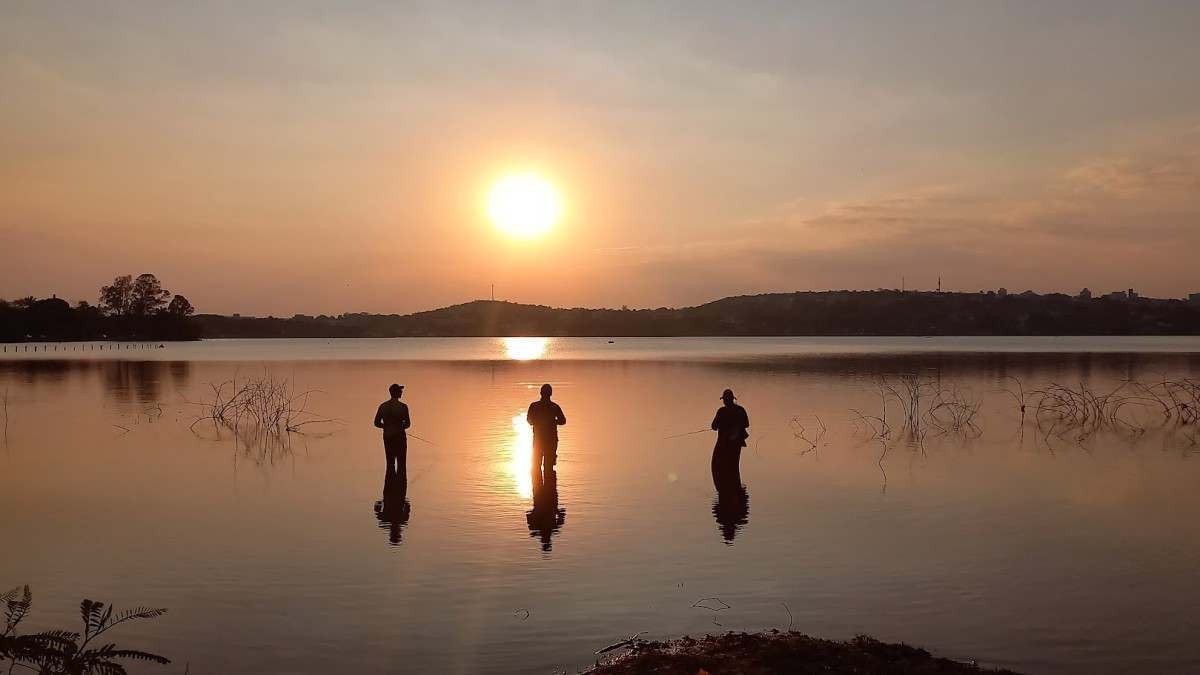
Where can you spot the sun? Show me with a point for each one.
(524, 205)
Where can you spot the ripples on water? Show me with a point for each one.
(1049, 553)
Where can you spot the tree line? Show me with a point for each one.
(130, 308)
(826, 313)
(138, 308)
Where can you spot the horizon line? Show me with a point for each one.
(1114, 295)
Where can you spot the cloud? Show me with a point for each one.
(1129, 177)
(1103, 223)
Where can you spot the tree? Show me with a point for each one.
(147, 296)
(180, 307)
(116, 298)
(127, 296)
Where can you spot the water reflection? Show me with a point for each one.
(520, 456)
(394, 509)
(129, 382)
(731, 508)
(1131, 512)
(545, 518)
(525, 348)
(126, 383)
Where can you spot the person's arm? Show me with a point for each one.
(745, 419)
(405, 421)
(529, 414)
(379, 418)
(559, 418)
(716, 420)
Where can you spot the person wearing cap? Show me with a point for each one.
(730, 423)
(545, 416)
(393, 418)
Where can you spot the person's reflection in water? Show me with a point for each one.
(393, 510)
(732, 506)
(545, 518)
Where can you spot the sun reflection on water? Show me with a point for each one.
(525, 348)
(520, 452)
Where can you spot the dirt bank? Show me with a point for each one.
(776, 652)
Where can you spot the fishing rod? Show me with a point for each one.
(686, 433)
(412, 435)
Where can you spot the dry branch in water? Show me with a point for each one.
(711, 604)
(801, 433)
(1019, 395)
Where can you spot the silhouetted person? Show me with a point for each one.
(545, 417)
(546, 517)
(731, 508)
(393, 418)
(393, 509)
(732, 505)
(730, 423)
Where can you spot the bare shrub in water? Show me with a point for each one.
(1180, 399)
(1132, 406)
(261, 412)
(1084, 411)
(924, 405)
(952, 410)
(907, 394)
(874, 426)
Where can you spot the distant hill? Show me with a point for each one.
(883, 312)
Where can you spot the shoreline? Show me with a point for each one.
(776, 651)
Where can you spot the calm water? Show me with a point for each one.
(1046, 554)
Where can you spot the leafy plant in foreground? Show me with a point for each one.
(62, 652)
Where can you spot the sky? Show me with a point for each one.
(319, 157)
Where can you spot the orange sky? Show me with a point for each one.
(293, 157)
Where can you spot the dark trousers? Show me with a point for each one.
(545, 454)
(395, 449)
(726, 462)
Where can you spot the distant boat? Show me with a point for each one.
(610, 342)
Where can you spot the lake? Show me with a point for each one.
(1031, 542)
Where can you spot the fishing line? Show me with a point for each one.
(686, 433)
(429, 467)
